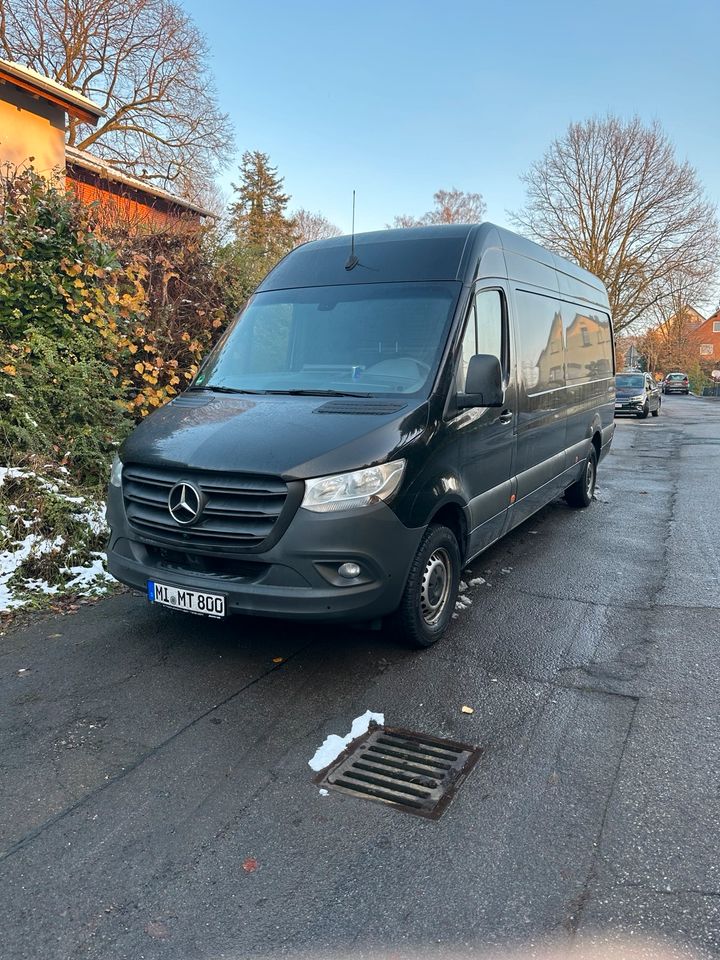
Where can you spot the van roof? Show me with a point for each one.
(451, 251)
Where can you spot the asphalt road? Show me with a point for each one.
(146, 757)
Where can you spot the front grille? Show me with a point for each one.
(240, 512)
(412, 772)
(203, 565)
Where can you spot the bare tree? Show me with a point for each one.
(451, 206)
(312, 226)
(612, 196)
(670, 342)
(145, 63)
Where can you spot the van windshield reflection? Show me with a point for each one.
(362, 339)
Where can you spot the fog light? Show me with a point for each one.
(349, 570)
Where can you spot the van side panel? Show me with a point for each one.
(589, 375)
(540, 413)
(565, 366)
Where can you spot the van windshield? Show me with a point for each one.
(370, 338)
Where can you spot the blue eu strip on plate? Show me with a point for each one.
(151, 591)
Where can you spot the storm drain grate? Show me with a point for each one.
(410, 771)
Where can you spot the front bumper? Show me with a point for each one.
(629, 406)
(297, 578)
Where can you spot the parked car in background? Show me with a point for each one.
(676, 383)
(637, 394)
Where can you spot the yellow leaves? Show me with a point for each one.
(139, 367)
(79, 284)
(9, 369)
(114, 371)
(133, 348)
(148, 348)
(185, 337)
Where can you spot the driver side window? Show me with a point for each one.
(483, 332)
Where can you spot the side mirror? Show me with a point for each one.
(483, 384)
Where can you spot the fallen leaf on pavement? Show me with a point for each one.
(250, 865)
(465, 709)
(278, 659)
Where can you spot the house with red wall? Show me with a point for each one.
(33, 118)
(707, 337)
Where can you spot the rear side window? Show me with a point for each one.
(541, 351)
(588, 347)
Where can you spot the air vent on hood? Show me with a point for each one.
(376, 408)
(192, 400)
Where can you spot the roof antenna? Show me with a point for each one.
(352, 260)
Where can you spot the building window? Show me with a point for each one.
(706, 349)
(716, 326)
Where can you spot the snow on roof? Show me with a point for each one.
(29, 79)
(87, 161)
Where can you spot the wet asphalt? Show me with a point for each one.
(157, 801)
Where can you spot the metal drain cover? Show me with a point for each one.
(410, 771)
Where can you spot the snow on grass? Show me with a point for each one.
(11, 561)
(333, 745)
(49, 539)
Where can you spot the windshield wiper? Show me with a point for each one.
(226, 389)
(318, 393)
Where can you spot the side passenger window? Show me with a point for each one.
(483, 333)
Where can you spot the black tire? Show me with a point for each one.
(656, 411)
(687, 393)
(580, 494)
(644, 412)
(431, 590)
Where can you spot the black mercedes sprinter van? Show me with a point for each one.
(370, 423)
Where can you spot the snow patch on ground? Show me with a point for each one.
(334, 745)
(85, 579)
(10, 560)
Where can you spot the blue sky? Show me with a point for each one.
(397, 99)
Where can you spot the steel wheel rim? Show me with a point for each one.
(589, 478)
(435, 588)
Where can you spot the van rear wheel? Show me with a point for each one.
(431, 589)
(580, 494)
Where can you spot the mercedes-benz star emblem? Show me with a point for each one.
(184, 503)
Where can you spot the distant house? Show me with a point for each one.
(33, 115)
(707, 337)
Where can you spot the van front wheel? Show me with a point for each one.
(431, 589)
(580, 494)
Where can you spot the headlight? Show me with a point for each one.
(640, 399)
(357, 489)
(116, 472)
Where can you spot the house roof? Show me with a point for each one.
(99, 167)
(40, 86)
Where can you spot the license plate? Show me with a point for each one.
(190, 601)
(619, 406)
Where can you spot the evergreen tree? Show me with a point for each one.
(258, 215)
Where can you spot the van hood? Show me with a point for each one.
(291, 437)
